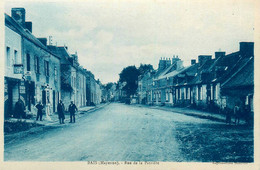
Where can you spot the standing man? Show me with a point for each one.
(72, 110)
(39, 107)
(60, 109)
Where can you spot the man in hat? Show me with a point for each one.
(72, 109)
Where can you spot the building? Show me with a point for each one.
(73, 77)
(210, 84)
(39, 67)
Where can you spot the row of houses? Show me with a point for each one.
(35, 71)
(210, 84)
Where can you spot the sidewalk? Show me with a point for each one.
(195, 113)
(53, 121)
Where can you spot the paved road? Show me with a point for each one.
(118, 132)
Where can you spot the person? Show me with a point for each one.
(228, 115)
(39, 107)
(60, 110)
(19, 109)
(72, 109)
(237, 114)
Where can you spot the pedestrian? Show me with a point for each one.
(39, 107)
(237, 114)
(60, 110)
(228, 115)
(19, 109)
(72, 109)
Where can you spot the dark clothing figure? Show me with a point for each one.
(60, 110)
(72, 110)
(39, 107)
(228, 115)
(19, 109)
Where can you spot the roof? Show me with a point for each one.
(62, 53)
(242, 77)
(12, 24)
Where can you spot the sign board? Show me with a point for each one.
(18, 69)
(28, 74)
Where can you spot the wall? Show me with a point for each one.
(13, 41)
(50, 85)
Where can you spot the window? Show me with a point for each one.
(185, 92)
(188, 93)
(28, 62)
(177, 94)
(55, 74)
(37, 65)
(46, 68)
(8, 60)
(199, 93)
(216, 92)
(180, 93)
(16, 60)
(167, 96)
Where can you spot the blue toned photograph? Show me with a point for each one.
(129, 82)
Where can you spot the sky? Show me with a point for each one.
(111, 35)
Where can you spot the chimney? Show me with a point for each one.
(43, 41)
(203, 58)
(246, 49)
(168, 62)
(193, 61)
(28, 26)
(219, 54)
(162, 64)
(175, 59)
(19, 15)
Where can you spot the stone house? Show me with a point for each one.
(210, 84)
(41, 68)
(13, 66)
(73, 78)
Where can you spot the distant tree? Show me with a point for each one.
(108, 85)
(145, 67)
(130, 76)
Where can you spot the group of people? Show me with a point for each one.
(61, 111)
(237, 113)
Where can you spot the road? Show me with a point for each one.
(120, 132)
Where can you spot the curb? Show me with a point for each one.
(209, 117)
(9, 138)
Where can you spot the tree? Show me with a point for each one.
(145, 67)
(130, 76)
(108, 85)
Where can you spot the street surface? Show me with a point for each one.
(120, 132)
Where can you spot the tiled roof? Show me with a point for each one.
(62, 53)
(242, 77)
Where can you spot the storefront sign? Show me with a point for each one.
(18, 69)
(22, 89)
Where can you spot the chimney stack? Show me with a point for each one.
(43, 41)
(246, 49)
(28, 26)
(18, 14)
(193, 61)
(219, 54)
